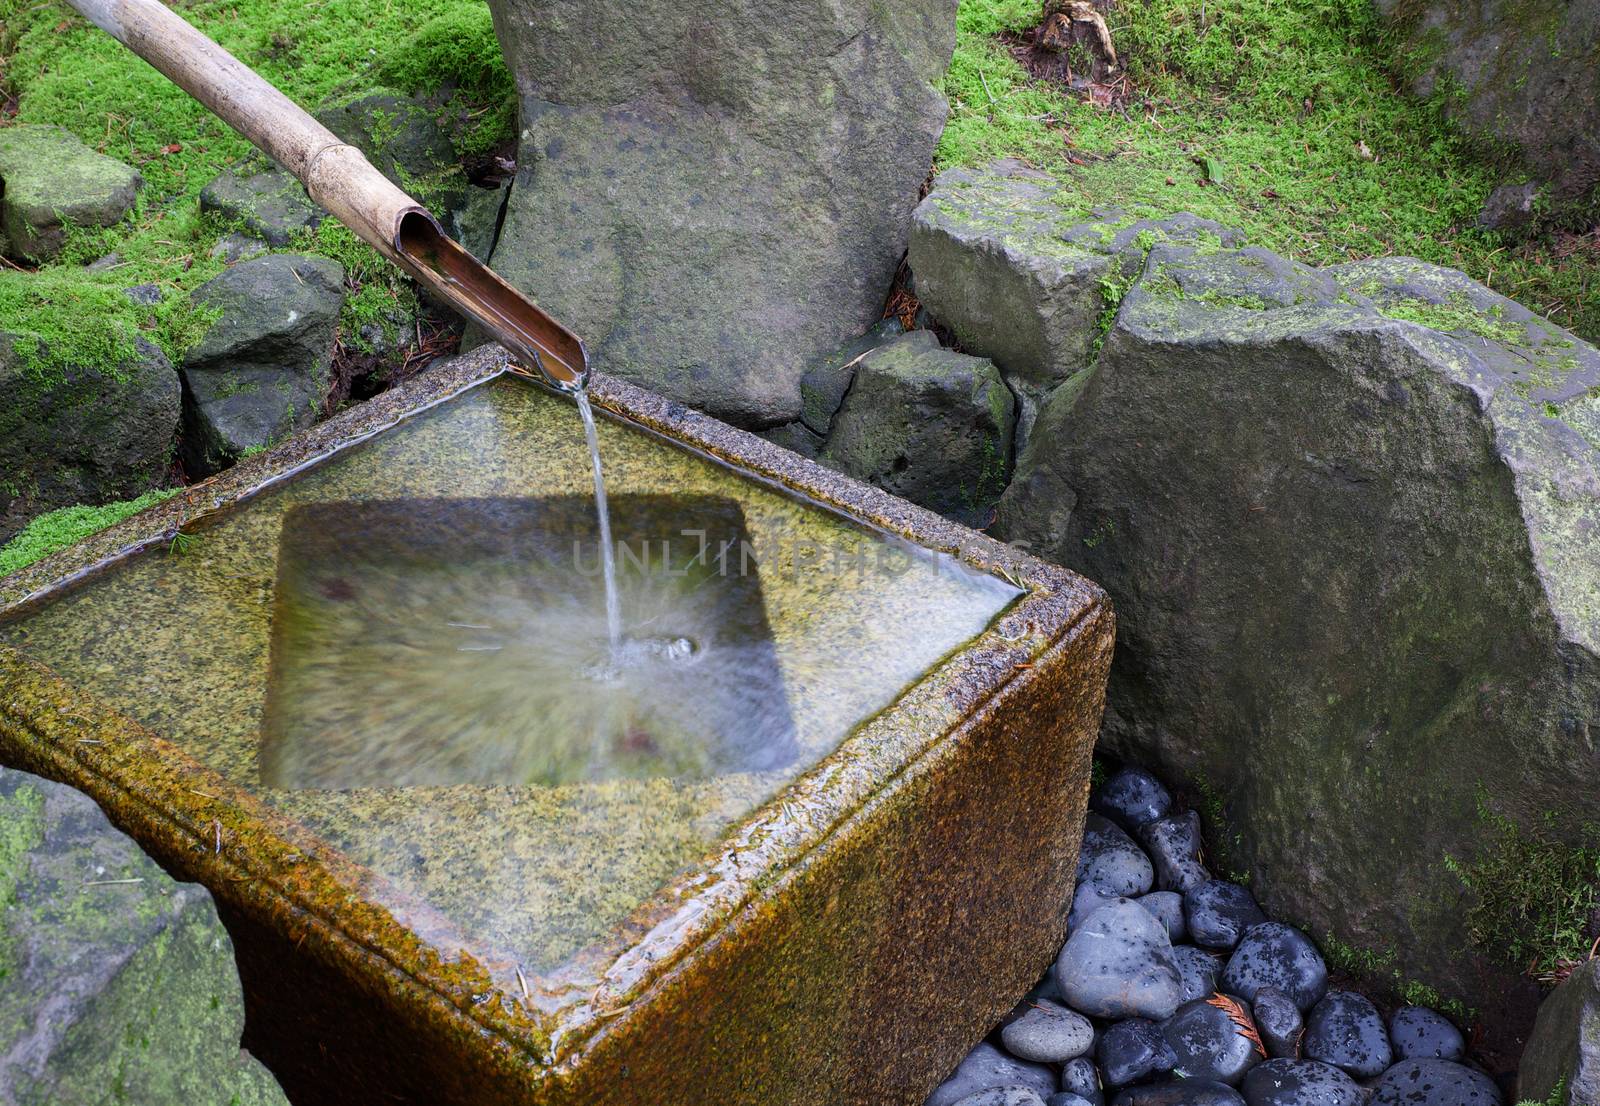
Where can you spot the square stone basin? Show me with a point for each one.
(352, 685)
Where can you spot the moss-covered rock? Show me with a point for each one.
(81, 433)
(50, 181)
(929, 424)
(1351, 523)
(1561, 1065)
(269, 203)
(117, 984)
(261, 371)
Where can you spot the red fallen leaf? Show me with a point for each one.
(63, 25)
(1236, 1014)
(172, 148)
(1269, 193)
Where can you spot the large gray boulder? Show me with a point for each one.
(1523, 74)
(261, 371)
(50, 181)
(87, 434)
(928, 424)
(1021, 279)
(1350, 520)
(714, 203)
(118, 982)
(1564, 1048)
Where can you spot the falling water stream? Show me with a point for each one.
(608, 560)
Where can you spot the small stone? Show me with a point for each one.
(1279, 1022)
(271, 204)
(1286, 1082)
(1082, 1078)
(824, 384)
(53, 181)
(1174, 845)
(101, 264)
(1209, 1043)
(1086, 900)
(1048, 1034)
(1132, 797)
(1218, 913)
(1276, 955)
(1184, 1092)
(1509, 207)
(1434, 1083)
(1119, 964)
(986, 1067)
(1419, 1033)
(1345, 1030)
(796, 437)
(1067, 1098)
(234, 246)
(145, 295)
(1199, 970)
(1131, 1050)
(1002, 1096)
(1109, 859)
(1167, 908)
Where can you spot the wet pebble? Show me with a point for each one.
(1131, 1050)
(1198, 969)
(1080, 1077)
(1002, 1096)
(1088, 898)
(1067, 1098)
(1434, 1083)
(1345, 1030)
(1276, 955)
(1167, 908)
(1219, 912)
(1111, 860)
(1174, 846)
(1208, 1040)
(1422, 1034)
(1132, 797)
(1300, 1083)
(1119, 964)
(1184, 1092)
(986, 1067)
(1048, 1033)
(1279, 1022)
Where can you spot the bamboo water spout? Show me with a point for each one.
(339, 178)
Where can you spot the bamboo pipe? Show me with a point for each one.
(340, 179)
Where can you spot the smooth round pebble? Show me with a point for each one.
(1133, 797)
(1219, 912)
(987, 1066)
(1167, 908)
(1132, 1050)
(1199, 970)
(1067, 1098)
(1088, 898)
(1279, 1022)
(1182, 1092)
(1299, 1083)
(1002, 1096)
(1419, 1033)
(1118, 964)
(1082, 1078)
(1276, 955)
(1207, 1043)
(1048, 1033)
(1434, 1083)
(1111, 860)
(1345, 1030)
(1174, 846)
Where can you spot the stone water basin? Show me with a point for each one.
(810, 857)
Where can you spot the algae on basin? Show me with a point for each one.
(745, 882)
(182, 639)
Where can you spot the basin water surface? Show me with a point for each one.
(361, 687)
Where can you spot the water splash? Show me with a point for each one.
(608, 557)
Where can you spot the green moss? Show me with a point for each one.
(458, 45)
(1455, 316)
(1533, 893)
(1558, 1097)
(1286, 96)
(1376, 966)
(59, 529)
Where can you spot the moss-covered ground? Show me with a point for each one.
(56, 68)
(1279, 117)
(59, 529)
